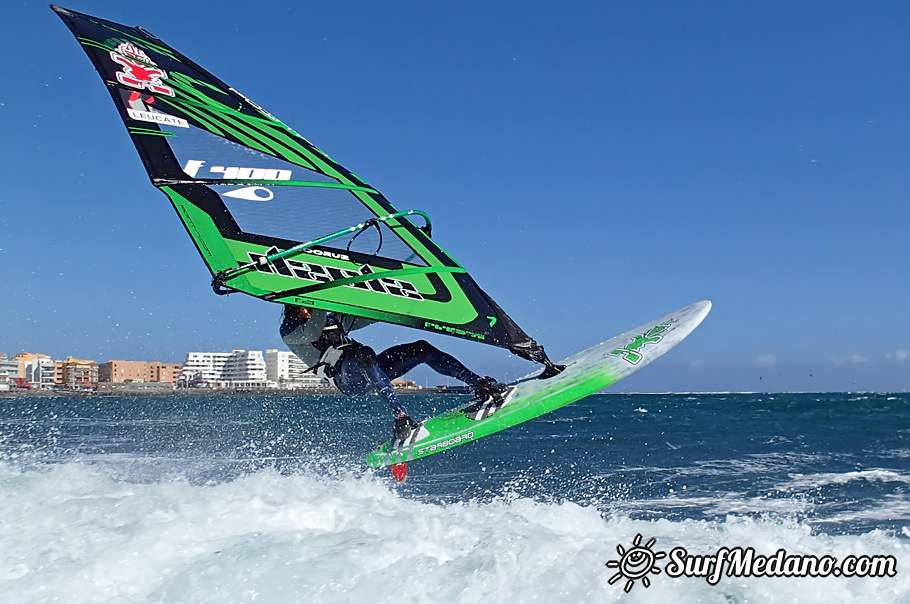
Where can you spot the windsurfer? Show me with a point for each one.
(320, 339)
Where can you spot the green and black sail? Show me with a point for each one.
(272, 215)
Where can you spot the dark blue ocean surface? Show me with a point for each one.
(279, 480)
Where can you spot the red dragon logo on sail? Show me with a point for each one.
(138, 70)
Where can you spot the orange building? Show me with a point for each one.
(79, 373)
(164, 372)
(24, 357)
(118, 372)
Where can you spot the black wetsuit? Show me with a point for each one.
(356, 369)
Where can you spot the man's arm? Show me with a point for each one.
(299, 335)
(351, 323)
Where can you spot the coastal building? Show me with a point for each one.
(79, 373)
(9, 369)
(39, 372)
(287, 370)
(118, 372)
(203, 367)
(164, 372)
(27, 370)
(24, 357)
(404, 385)
(244, 366)
(235, 369)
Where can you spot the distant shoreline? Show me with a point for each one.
(332, 392)
(207, 391)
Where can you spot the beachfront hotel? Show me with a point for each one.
(235, 369)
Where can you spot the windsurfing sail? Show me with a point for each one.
(272, 215)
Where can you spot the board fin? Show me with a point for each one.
(399, 471)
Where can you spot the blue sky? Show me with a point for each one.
(593, 165)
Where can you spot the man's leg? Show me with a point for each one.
(362, 360)
(360, 373)
(398, 360)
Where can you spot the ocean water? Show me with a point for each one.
(265, 499)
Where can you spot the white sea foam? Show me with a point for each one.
(891, 508)
(761, 464)
(73, 532)
(811, 481)
(730, 504)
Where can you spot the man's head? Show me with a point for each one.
(299, 312)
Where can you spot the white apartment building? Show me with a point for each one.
(9, 369)
(238, 368)
(244, 366)
(287, 370)
(39, 372)
(208, 365)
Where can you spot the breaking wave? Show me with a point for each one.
(101, 531)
